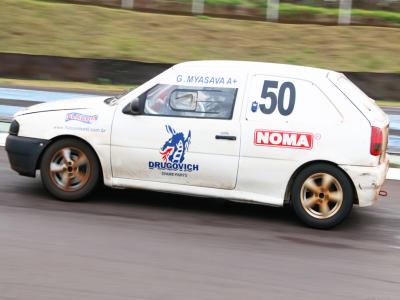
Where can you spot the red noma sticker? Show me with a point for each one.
(286, 139)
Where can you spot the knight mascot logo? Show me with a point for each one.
(173, 153)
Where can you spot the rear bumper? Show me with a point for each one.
(368, 181)
(23, 153)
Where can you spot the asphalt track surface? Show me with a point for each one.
(122, 244)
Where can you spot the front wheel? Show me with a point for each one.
(69, 169)
(322, 196)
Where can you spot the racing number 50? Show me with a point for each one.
(278, 100)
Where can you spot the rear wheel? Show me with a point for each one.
(322, 196)
(69, 169)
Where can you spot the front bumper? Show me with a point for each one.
(23, 153)
(368, 181)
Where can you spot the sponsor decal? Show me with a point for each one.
(211, 79)
(88, 119)
(254, 106)
(79, 128)
(173, 153)
(285, 139)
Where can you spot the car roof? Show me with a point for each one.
(256, 68)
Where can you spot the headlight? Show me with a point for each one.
(14, 128)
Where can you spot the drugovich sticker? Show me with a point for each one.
(173, 153)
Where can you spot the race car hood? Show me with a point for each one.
(73, 104)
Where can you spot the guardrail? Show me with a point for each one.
(4, 125)
(393, 132)
(394, 156)
(341, 11)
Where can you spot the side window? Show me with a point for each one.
(190, 102)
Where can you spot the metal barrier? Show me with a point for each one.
(255, 9)
(394, 154)
(4, 125)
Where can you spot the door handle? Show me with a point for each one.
(225, 137)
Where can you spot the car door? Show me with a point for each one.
(288, 121)
(183, 135)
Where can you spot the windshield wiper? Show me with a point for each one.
(114, 99)
(110, 100)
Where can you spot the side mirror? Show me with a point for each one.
(133, 108)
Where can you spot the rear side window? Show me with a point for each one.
(190, 102)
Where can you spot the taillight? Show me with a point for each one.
(376, 141)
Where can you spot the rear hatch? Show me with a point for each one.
(367, 106)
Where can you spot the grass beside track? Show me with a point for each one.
(388, 103)
(290, 9)
(50, 28)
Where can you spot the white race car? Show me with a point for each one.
(254, 132)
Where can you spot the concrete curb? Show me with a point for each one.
(393, 173)
(3, 137)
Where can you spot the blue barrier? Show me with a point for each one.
(39, 96)
(15, 95)
(7, 111)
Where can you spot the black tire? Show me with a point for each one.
(69, 176)
(315, 196)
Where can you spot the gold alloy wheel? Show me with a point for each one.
(69, 169)
(321, 195)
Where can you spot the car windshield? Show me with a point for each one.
(114, 99)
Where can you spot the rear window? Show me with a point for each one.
(356, 95)
(352, 91)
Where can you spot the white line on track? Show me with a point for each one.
(393, 173)
(3, 137)
(395, 247)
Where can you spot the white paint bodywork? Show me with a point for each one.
(234, 169)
